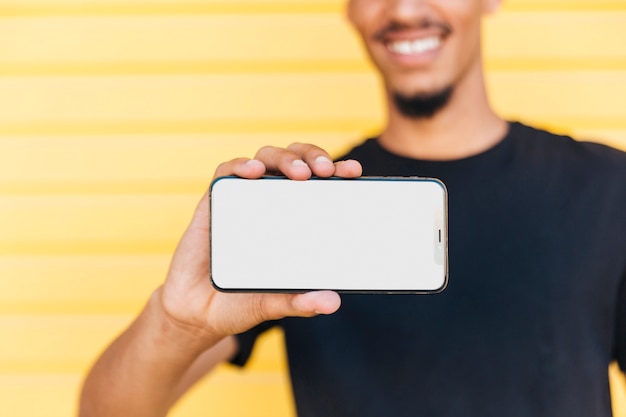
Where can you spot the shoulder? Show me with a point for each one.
(567, 152)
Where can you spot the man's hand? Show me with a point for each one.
(183, 331)
(188, 296)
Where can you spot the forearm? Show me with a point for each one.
(141, 372)
(161, 354)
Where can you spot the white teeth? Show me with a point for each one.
(416, 46)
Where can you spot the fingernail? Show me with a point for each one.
(299, 163)
(323, 160)
(253, 162)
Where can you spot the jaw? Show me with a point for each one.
(426, 63)
(413, 60)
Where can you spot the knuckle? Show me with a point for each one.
(258, 310)
(265, 309)
(264, 151)
(307, 151)
(228, 168)
(222, 169)
(275, 306)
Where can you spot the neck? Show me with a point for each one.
(466, 126)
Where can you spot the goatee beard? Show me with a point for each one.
(422, 106)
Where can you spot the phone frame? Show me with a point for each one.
(443, 241)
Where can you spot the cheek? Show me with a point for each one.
(464, 15)
(466, 25)
(363, 13)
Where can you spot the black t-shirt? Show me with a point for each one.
(530, 319)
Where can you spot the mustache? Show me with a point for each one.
(425, 23)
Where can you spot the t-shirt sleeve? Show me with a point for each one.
(246, 341)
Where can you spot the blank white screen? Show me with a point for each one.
(370, 234)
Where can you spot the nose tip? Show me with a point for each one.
(408, 10)
(407, 7)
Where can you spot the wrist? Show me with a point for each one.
(182, 338)
(140, 374)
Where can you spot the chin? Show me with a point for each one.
(422, 104)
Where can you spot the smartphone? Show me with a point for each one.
(371, 234)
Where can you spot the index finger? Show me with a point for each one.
(241, 167)
(315, 157)
(321, 164)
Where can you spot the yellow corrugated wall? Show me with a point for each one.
(114, 114)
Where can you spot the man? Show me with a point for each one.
(533, 312)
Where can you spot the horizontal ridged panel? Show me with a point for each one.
(93, 224)
(49, 395)
(268, 97)
(77, 7)
(71, 284)
(543, 5)
(266, 395)
(561, 40)
(135, 163)
(114, 113)
(39, 374)
(145, 7)
(236, 397)
(163, 39)
(70, 343)
(599, 100)
(157, 164)
(32, 104)
(64, 343)
(192, 44)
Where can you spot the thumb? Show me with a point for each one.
(277, 306)
(236, 313)
(316, 302)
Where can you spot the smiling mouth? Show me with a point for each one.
(414, 46)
